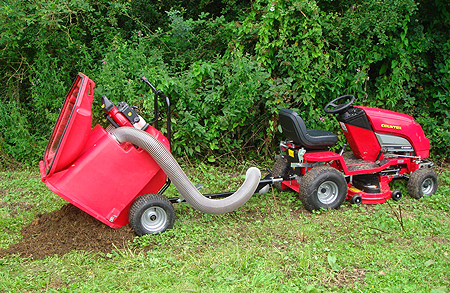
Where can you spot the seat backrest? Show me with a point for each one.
(293, 126)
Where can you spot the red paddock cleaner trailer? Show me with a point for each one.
(385, 145)
(119, 174)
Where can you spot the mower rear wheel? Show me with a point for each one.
(280, 168)
(322, 187)
(422, 182)
(151, 214)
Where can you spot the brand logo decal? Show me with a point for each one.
(391, 126)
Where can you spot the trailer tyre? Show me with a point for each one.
(280, 168)
(422, 182)
(151, 214)
(322, 187)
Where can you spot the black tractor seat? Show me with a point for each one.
(295, 129)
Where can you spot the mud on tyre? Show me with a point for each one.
(322, 187)
(151, 214)
(422, 182)
(280, 168)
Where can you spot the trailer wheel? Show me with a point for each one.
(151, 214)
(422, 182)
(322, 187)
(280, 168)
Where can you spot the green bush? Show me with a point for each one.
(388, 54)
(228, 65)
(43, 45)
(216, 105)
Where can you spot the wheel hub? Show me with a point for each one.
(427, 186)
(154, 219)
(327, 192)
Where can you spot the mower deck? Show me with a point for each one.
(366, 196)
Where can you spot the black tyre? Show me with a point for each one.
(322, 187)
(150, 214)
(280, 168)
(423, 182)
(396, 195)
(356, 199)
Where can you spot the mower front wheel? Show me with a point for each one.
(151, 214)
(322, 187)
(422, 182)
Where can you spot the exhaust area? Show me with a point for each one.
(173, 170)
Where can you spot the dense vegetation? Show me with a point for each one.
(228, 65)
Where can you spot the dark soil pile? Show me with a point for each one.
(67, 229)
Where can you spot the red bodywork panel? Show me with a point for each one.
(72, 127)
(388, 122)
(363, 142)
(321, 156)
(99, 175)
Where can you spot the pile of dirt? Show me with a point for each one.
(67, 229)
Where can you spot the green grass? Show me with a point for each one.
(272, 244)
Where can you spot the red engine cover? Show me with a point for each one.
(389, 122)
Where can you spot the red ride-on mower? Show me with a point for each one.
(385, 145)
(118, 174)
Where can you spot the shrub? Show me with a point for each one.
(216, 105)
(385, 53)
(228, 65)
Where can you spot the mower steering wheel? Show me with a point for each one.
(334, 107)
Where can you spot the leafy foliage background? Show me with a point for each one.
(228, 65)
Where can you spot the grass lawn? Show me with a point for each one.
(271, 244)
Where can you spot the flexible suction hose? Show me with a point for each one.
(170, 166)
